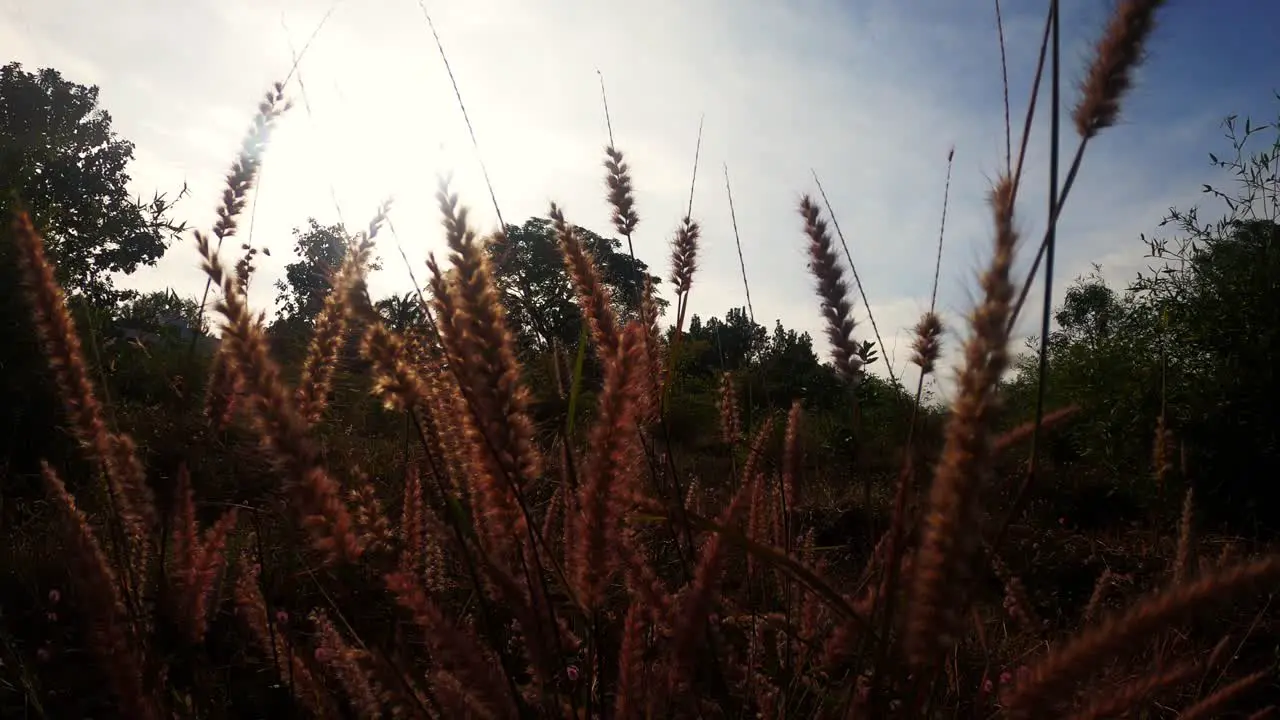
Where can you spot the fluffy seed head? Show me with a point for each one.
(621, 196)
(684, 255)
(833, 291)
(927, 344)
(1116, 56)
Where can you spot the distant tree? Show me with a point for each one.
(729, 344)
(791, 370)
(61, 160)
(155, 310)
(402, 313)
(535, 288)
(1105, 357)
(308, 280)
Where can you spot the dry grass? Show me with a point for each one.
(535, 576)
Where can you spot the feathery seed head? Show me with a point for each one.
(593, 296)
(927, 344)
(730, 419)
(948, 540)
(1116, 55)
(684, 255)
(833, 292)
(621, 196)
(244, 170)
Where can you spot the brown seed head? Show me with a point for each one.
(610, 466)
(621, 196)
(684, 255)
(1116, 56)
(730, 420)
(951, 525)
(244, 170)
(833, 291)
(593, 295)
(927, 344)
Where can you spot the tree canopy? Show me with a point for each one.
(530, 273)
(308, 280)
(61, 160)
(1192, 339)
(155, 310)
(403, 313)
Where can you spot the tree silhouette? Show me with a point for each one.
(154, 311)
(308, 280)
(402, 313)
(1193, 339)
(531, 277)
(60, 159)
(729, 344)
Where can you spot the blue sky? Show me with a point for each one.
(869, 94)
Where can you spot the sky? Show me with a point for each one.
(869, 94)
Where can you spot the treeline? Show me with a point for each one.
(1174, 374)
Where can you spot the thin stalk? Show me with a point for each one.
(466, 118)
(1050, 244)
(737, 239)
(604, 99)
(697, 152)
(1004, 76)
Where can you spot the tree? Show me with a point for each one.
(402, 313)
(154, 311)
(529, 271)
(60, 159)
(791, 370)
(1217, 287)
(1104, 356)
(730, 344)
(308, 281)
(1194, 339)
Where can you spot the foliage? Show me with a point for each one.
(154, 311)
(1103, 356)
(534, 286)
(307, 281)
(403, 313)
(60, 158)
(729, 344)
(1217, 287)
(1193, 338)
